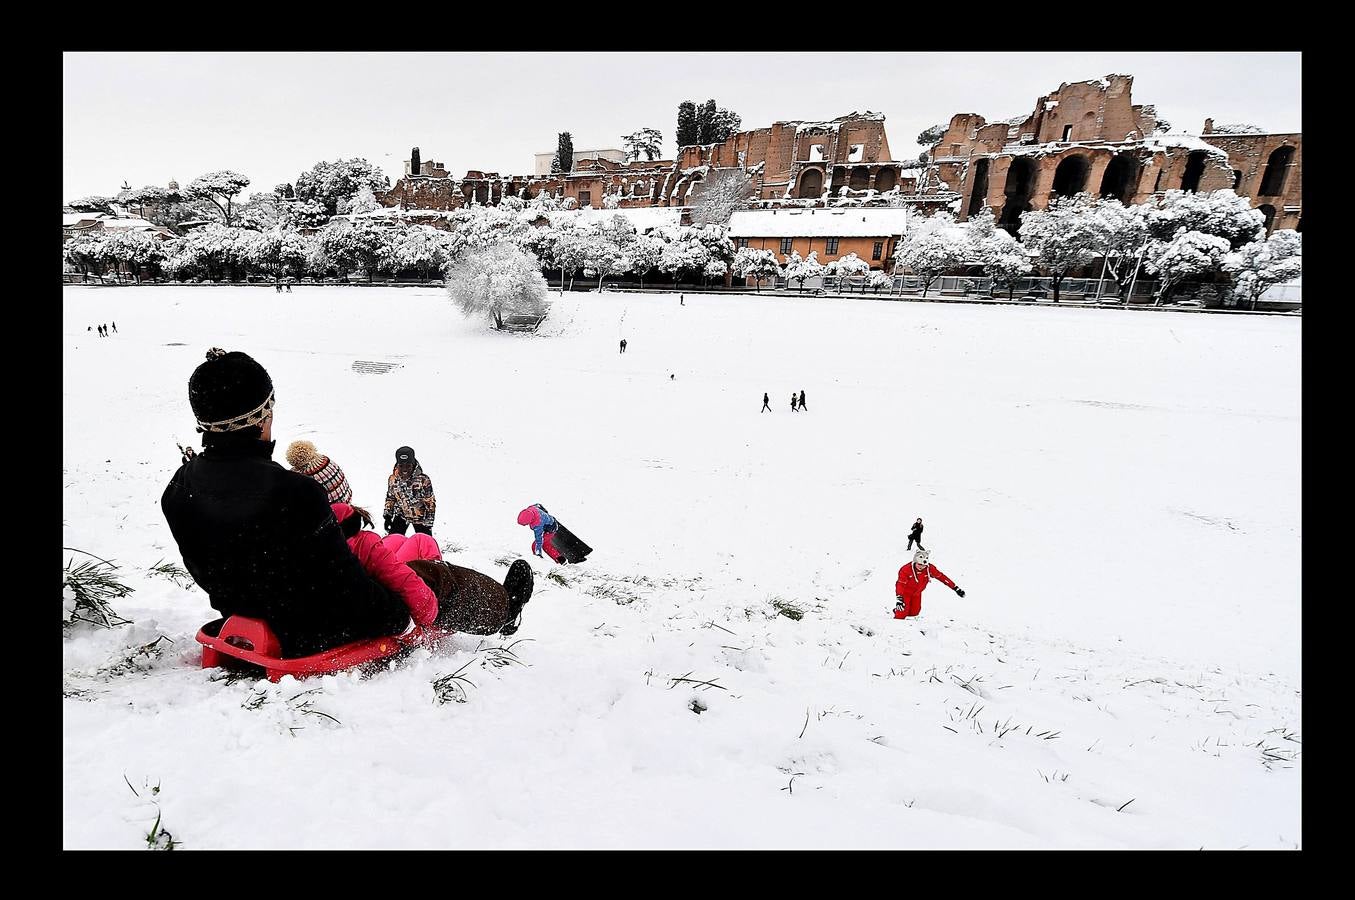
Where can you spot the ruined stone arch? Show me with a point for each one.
(886, 179)
(1071, 176)
(979, 191)
(860, 178)
(1277, 171)
(1190, 180)
(1020, 181)
(1120, 178)
(811, 184)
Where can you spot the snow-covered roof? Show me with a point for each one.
(70, 219)
(127, 224)
(641, 217)
(817, 223)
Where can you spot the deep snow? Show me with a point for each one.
(1117, 492)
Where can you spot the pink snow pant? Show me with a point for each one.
(404, 549)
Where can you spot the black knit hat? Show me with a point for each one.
(403, 454)
(230, 391)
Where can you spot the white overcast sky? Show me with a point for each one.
(149, 117)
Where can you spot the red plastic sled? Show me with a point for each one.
(251, 641)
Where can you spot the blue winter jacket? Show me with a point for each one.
(546, 526)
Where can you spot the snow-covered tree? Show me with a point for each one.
(1063, 236)
(611, 201)
(220, 189)
(419, 248)
(1220, 213)
(756, 264)
(849, 266)
(931, 135)
(933, 247)
(92, 205)
(645, 252)
(603, 256)
(1190, 254)
(354, 248)
(215, 252)
(801, 270)
(1239, 128)
(482, 226)
(715, 268)
(497, 281)
(687, 131)
(1003, 259)
(684, 252)
(1263, 264)
(282, 251)
(137, 251)
(879, 280)
(1120, 233)
(85, 252)
(307, 214)
(648, 141)
(329, 182)
(364, 201)
(719, 195)
(569, 252)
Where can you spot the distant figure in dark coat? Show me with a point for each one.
(793, 401)
(766, 402)
(115, 327)
(623, 345)
(916, 535)
(682, 300)
(802, 401)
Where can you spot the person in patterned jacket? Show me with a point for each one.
(409, 496)
(304, 458)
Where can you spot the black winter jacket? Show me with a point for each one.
(263, 542)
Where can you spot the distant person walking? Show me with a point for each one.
(288, 285)
(802, 401)
(793, 401)
(115, 327)
(682, 299)
(766, 402)
(277, 287)
(916, 535)
(623, 345)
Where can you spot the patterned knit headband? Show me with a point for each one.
(256, 416)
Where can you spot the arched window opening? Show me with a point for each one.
(811, 184)
(980, 187)
(1277, 171)
(1071, 176)
(1120, 179)
(1190, 181)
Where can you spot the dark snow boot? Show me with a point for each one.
(518, 583)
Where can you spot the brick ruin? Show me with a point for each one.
(1086, 136)
(1090, 136)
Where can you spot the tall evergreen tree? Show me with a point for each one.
(686, 124)
(705, 122)
(564, 153)
(414, 161)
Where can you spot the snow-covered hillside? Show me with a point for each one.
(1117, 493)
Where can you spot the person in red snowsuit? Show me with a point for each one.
(913, 580)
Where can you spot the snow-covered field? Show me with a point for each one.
(1117, 493)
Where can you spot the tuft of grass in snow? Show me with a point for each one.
(611, 592)
(506, 560)
(175, 574)
(138, 659)
(86, 589)
(158, 838)
(558, 578)
(453, 687)
(788, 609)
(454, 547)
